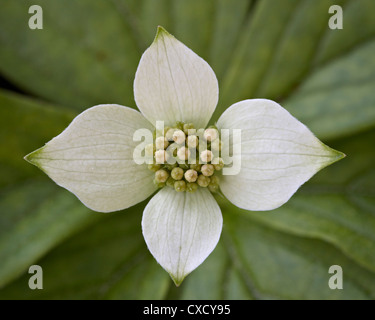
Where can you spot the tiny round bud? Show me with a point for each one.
(192, 141)
(177, 173)
(213, 188)
(161, 175)
(170, 182)
(159, 184)
(208, 170)
(211, 134)
(183, 153)
(169, 134)
(179, 137)
(218, 164)
(149, 149)
(191, 187)
(196, 167)
(206, 156)
(161, 143)
(191, 175)
(214, 180)
(214, 184)
(153, 167)
(161, 156)
(203, 181)
(180, 186)
(188, 126)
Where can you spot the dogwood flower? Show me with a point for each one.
(182, 223)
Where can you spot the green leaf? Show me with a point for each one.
(255, 261)
(230, 15)
(339, 99)
(216, 279)
(359, 28)
(25, 125)
(193, 22)
(84, 55)
(108, 261)
(280, 266)
(338, 206)
(34, 218)
(298, 50)
(252, 261)
(293, 51)
(143, 16)
(252, 46)
(153, 14)
(254, 50)
(35, 215)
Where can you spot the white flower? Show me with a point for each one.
(179, 136)
(93, 157)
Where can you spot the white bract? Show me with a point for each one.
(93, 157)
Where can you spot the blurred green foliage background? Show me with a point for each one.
(87, 54)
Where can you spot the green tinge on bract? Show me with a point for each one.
(32, 157)
(93, 158)
(278, 154)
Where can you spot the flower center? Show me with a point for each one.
(186, 158)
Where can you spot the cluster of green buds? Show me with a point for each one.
(185, 158)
